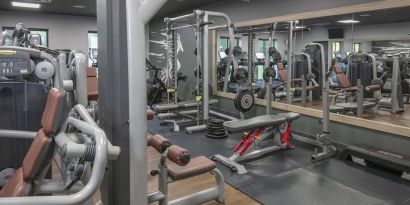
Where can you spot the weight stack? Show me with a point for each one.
(216, 129)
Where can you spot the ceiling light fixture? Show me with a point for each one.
(25, 5)
(79, 6)
(349, 21)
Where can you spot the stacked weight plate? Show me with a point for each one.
(216, 129)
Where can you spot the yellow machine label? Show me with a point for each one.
(198, 98)
(7, 52)
(170, 90)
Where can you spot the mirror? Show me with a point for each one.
(367, 51)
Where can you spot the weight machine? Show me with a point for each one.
(394, 103)
(202, 101)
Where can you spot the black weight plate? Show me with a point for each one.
(244, 100)
(240, 75)
(269, 72)
(216, 137)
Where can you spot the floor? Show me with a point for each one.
(289, 177)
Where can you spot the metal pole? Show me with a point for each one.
(198, 64)
(290, 55)
(137, 105)
(250, 57)
(394, 89)
(205, 68)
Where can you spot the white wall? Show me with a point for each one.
(64, 31)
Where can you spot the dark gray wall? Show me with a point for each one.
(240, 11)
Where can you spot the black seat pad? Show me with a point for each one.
(254, 123)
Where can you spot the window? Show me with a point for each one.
(92, 44)
(357, 47)
(336, 47)
(42, 32)
(224, 42)
(263, 46)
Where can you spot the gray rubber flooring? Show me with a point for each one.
(289, 178)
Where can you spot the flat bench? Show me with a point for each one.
(259, 122)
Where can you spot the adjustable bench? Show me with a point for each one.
(176, 164)
(258, 130)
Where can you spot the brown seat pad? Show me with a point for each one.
(15, 186)
(351, 89)
(33, 158)
(198, 165)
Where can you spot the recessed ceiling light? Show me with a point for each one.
(349, 21)
(79, 6)
(25, 5)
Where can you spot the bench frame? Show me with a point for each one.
(214, 193)
(280, 133)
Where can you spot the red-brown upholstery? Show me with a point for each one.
(54, 107)
(150, 114)
(37, 157)
(92, 83)
(283, 73)
(15, 186)
(197, 166)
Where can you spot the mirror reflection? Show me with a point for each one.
(364, 57)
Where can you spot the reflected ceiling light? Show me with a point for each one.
(79, 6)
(25, 5)
(364, 15)
(349, 21)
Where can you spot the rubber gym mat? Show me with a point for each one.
(198, 144)
(289, 177)
(382, 186)
(303, 187)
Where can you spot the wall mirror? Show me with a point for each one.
(369, 51)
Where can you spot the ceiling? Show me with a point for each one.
(66, 7)
(174, 6)
(384, 16)
(57, 7)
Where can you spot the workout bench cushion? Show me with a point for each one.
(54, 111)
(15, 186)
(253, 123)
(197, 166)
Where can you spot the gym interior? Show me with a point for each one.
(184, 102)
